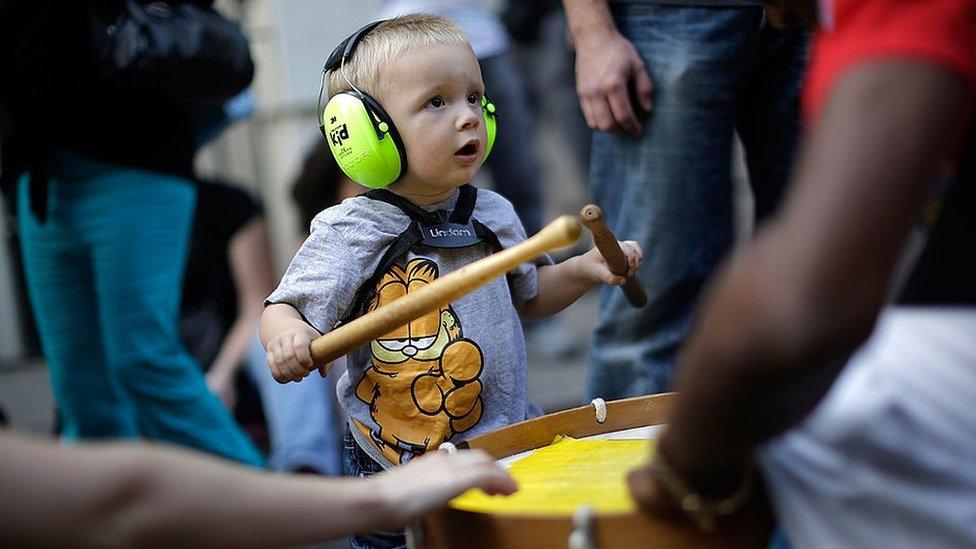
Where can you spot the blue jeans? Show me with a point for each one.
(356, 463)
(104, 276)
(715, 70)
(301, 417)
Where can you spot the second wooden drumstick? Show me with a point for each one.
(603, 238)
(560, 233)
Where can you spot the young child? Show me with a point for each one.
(458, 371)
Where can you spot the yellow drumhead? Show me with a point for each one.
(556, 479)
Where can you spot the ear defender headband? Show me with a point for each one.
(361, 135)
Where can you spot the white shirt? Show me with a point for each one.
(888, 458)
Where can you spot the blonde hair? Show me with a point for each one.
(387, 41)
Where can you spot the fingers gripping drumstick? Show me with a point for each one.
(558, 234)
(592, 216)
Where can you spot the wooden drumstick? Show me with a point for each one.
(560, 233)
(592, 216)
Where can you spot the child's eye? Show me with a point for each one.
(435, 102)
(473, 98)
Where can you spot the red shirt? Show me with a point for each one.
(855, 31)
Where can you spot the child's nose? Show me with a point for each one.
(468, 120)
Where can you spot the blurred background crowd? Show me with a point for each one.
(263, 171)
(267, 171)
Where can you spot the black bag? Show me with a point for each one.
(177, 50)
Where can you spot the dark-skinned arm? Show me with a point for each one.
(785, 312)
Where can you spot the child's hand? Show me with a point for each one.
(289, 355)
(594, 268)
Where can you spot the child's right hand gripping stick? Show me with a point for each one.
(592, 217)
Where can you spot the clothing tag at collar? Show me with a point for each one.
(449, 235)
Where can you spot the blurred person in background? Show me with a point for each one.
(105, 204)
(319, 184)
(667, 84)
(229, 273)
(548, 61)
(836, 349)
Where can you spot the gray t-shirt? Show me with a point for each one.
(449, 375)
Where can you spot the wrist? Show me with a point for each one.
(589, 22)
(578, 272)
(587, 270)
(381, 500)
(702, 495)
(704, 476)
(592, 38)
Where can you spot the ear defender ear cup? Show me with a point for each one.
(491, 124)
(363, 140)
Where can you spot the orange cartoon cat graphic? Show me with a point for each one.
(423, 385)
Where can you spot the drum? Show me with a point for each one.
(635, 417)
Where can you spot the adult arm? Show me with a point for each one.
(784, 313)
(250, 264)
(607, 69)
(124, 495)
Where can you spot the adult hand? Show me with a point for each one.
(431, 480)
(607, 68)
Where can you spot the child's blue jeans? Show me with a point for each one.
(356, 463)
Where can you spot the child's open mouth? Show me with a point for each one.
(468, 153)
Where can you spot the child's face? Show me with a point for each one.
(434, 99)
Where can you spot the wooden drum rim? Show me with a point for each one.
(454, 528)
(579, 422)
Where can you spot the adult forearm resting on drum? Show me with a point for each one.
(128, 495)
(809, 289)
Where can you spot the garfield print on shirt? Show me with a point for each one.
(423, 385)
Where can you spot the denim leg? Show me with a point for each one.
(512, 162)
(301, 417)
(355, 463)
(60, 283)
(768, 121)
(669, 189)
(137, 224)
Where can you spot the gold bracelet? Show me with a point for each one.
(702, 510)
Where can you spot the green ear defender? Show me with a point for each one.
(363, 140)
(491, 124)
(362, 136)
